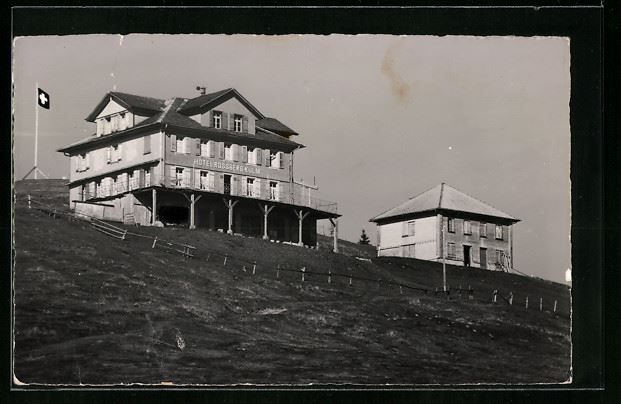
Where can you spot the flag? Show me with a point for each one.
(43, 99)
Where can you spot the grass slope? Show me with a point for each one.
(91, 309)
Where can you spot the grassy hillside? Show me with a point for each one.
(91, 309)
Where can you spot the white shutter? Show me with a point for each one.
(244, 186)
(266, 156)
(244, 154)
(88, 161)
(197, 178)
(281, 159)
(173, 175)
(187, 177)
(258, 156)
(212, 181)
(173, 143)
(120, 152)
(109, 154)
(235, 152)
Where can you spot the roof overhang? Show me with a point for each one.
(227, 95)
(99, 140)
(111, 96)
(444, 212)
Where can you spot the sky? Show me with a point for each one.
(383, 117)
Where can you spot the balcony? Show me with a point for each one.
(302, 195)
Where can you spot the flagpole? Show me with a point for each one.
(36, 144)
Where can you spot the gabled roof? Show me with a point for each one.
(274, 125)
(134, 103)
(207, 101)
(443, 198)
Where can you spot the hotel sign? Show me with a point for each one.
(227, 166)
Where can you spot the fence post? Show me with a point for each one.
(541, 304)
(254, 267)
(29, 207)
(400, 290)
(495, 293)
(124, 234)
(511, 298)
(526, 302)
(329, 275)
(208, 256)
(278, 271)
(244, 268)
(350, 279)
(555, 306)
(303, 270)
(225, 257)
(154, 241)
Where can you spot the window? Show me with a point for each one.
(114, 154)
(273, 190)
(483, 230)
(467, 227)
(228, 152)
(107, 125)
(180, 144)
(250, 187)
(204, 180)
(147, 177)
(131, 179)
(238, 123)
(217, 119)
(179, 176)
(451, 225)
(499, 254)
(82, 162)
(122, 121)
(252, 155)
(274, 159)
(498, 232)
(204, 148)
(411, 228)
(450, 250)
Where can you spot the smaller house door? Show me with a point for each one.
(466, 255)
(483, 259)
(227, 184)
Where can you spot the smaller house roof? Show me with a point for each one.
(136, 103)
(204, 101)
(446, 198)
(274, 125)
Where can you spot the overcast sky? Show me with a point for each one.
(383, 117)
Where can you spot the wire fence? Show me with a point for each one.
(303, 274)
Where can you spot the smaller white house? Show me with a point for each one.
(444, 223)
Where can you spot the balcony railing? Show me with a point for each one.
(301, 196)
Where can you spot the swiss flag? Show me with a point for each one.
(43, 99)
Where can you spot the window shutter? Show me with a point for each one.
(173, 143)
(225, 120)
(281, 159)
(212, 181)
(235, 152)
(221, 150)
(244, 186)
(245, 124)
(187, 177)
(244, 154)
(88, 161)
(231, 121)
(173, 175)
(266, 155)
(147, 144)
(212, 148)
(404, 229)
(259, 156)
(198, 146)
(197, 178)
(120, 152)
(210, 119)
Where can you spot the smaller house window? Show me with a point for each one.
(180, 144)
(238, 123)
(467, 227)
(451, 225)
(217, 119)
(483, 230)
(498, 232)
(450, 250)
(499, 254)
(411, 228)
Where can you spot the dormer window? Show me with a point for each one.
(238, 123)
(217, 119)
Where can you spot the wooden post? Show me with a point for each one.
(278, 271)
(29, 207)
(192, 201)
(153, 206)
(225, 257)
(335, 234)
(541, 304)
(303, 270)
(254, 267)
(495, 293)
(400, 290)
(526, 302)
(301, 216)
(329, 275)
(349, 279)
(154, 241)
(230, 204)
(511, 299)
(555, 306)
(266, 209)
(208, 256)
